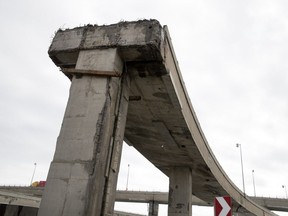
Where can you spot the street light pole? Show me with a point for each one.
(254, 183)
(284, 186)
(239, 145)
(127, 177)
(35, 164)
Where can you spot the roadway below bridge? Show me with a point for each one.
(31, 197)
(126, 84)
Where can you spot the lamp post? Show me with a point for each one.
(284, 186)
(127, 177)
(239, 145)
(254, 183)
(35, 164)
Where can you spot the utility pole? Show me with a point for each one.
(254, 183)
(127, 177)
(239, 145)
(284, 186)
(35, 164)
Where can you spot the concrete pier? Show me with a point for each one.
(83, 175)
(180, 192)
(153, 208)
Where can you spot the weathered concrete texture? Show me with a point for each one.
(86, 63)
(116, 148)
(136, 41)
(180, 192)
(79, 174)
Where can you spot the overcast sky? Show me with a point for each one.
(233, 58)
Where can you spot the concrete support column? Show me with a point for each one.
(180, 192)
(153, 208)
(83, 174)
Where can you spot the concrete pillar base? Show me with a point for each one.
(180, 192)
(153, 208)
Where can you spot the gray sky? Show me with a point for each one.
(233, 57)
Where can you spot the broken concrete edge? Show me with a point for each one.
(121, 23)
(113, 35)
(136, 41)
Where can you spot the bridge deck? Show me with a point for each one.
(31, 197)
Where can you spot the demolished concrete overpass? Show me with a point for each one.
(110, 67)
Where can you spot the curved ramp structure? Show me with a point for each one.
(161, 122)
(163, 126)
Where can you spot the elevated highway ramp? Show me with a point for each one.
(137, 62)
(31, 197)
